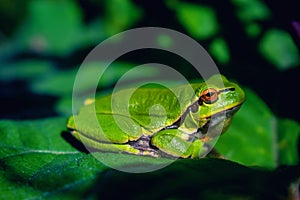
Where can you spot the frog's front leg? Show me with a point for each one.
(176, 143)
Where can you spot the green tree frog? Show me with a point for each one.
(159, 122)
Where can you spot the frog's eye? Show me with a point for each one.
(209, 96)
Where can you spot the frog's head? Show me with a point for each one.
(218, 95)
(216, 101)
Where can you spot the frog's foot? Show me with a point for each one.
(128, 149)
(149, 153)
(144, 147)
(176, 144)
(169, 142)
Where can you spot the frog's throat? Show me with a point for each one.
(218, 118)
(205, 122)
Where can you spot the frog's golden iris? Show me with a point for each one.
(209, 95)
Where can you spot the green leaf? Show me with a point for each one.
(250, 10)
(252, 137)
(200, 21)
(288, 139)
(61, 83)
(253, 29)
(93, 33)
(36, 161)
(279, 49)
(27, 69)
(120, 15)
(165, 41)
(52, 26)
(64, 106)
(57, 83)
(190, 179)
(219, 50)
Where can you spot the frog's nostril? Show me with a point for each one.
(227, 89)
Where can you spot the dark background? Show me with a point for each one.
(278, 88)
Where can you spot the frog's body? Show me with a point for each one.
(159, 122)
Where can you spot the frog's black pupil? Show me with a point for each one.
(210, 94)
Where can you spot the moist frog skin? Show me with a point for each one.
(159, 122)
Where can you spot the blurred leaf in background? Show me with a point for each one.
(265, 139)
(278, 48)
(120, 14)
(251, 13)
(220, 51)
(200, 21)
(26, 70)
(52, 26)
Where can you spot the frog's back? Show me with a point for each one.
(152, 108)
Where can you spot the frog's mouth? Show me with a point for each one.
(217, 123)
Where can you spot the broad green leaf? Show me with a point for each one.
(257, 138)
(37, 134)
(200, 21)
(36, 161)
(132, 163)
(279, 49)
